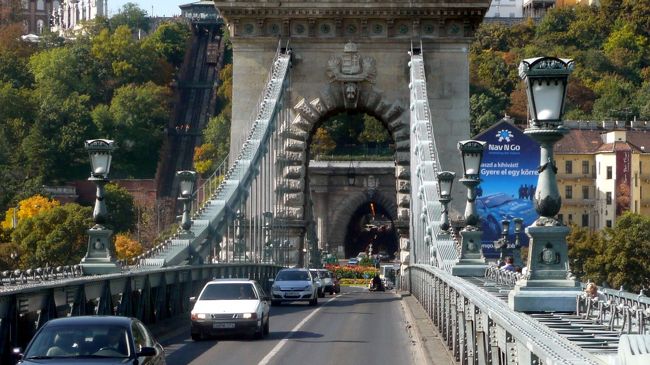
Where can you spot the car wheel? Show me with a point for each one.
(314, 302)
(196, 337)
(266, 326)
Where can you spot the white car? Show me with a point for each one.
(318, 281)
(294, 285)
(227, 306)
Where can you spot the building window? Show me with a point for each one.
(585, 167)
(640, 167)
(560, 217)
(608, 198)
(585, 220)
(568, 167)
(570, 218)
(585, 192)
(609, 172)
(25, 4)
(608, 223)
(568, 192)
(40, 5)
(39, 26)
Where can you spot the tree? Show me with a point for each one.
(127, 248)
(585, 245)
(140, 114)
(170, 40)
(322, 143)
(204, 159)
(217, 134)
(486, 109)
(54, 237)
(121, 209)
(625, 254)
(373, 131)
(29, 208)
(132, 16)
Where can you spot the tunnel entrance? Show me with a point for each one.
(370, 225)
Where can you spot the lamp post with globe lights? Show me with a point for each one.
(99, 258)
(445, 182)
(186, 181)
(548, 285)
(471, 261)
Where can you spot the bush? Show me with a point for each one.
(349, 282)
(353, 272)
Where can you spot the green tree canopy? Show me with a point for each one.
(170, 40)
(122, 217)
(131, 16)
(54, 237)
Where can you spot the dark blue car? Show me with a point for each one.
(93, 340)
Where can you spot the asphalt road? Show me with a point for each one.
(354, 327)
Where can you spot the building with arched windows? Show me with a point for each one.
(71, 14)
(36, 15)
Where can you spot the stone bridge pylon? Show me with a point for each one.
(352, 56)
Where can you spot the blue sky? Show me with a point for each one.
(160, 7)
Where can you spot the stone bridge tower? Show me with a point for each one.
(353, 56)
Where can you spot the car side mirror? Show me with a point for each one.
(146, 351)
(192, 300)
(271, 280)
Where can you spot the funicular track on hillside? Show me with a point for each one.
(195, 103)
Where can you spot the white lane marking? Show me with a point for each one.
(286, 338)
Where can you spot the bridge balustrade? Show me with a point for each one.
(150, 295)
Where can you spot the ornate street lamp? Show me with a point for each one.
(186, 181)
(445, 183)
(267, 228)
(548, 285)
(99, 257)
(471, 261)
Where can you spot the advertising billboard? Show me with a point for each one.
(508, 182)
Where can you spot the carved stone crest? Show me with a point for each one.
(548, 256)
(349, 70)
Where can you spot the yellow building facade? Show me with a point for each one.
(603, 171)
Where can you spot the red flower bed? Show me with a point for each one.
(353, 272)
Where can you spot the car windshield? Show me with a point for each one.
(293, 276)
(325, 274)
(228, 291)
(80, 342)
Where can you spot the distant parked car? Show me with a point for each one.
(227, 306)
(292, 285)
(92, 340)
(330, 282)
(318, 281)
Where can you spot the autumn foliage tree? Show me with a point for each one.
(126, 248)
(28, 208)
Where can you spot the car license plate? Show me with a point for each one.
(223, 325)
(293, 294)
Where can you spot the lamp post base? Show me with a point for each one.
(544, 299)
(99, 259)
(469, 267)
(471, 261)
(549, 286)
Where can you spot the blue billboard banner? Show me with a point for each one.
(508, 182)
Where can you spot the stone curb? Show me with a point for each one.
(431, 349)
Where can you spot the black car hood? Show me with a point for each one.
(76, 361)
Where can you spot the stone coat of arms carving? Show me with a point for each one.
(350, 69)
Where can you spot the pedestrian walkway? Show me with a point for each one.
(428, 346)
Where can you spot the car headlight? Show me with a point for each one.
(246, 315)
(195, 316)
